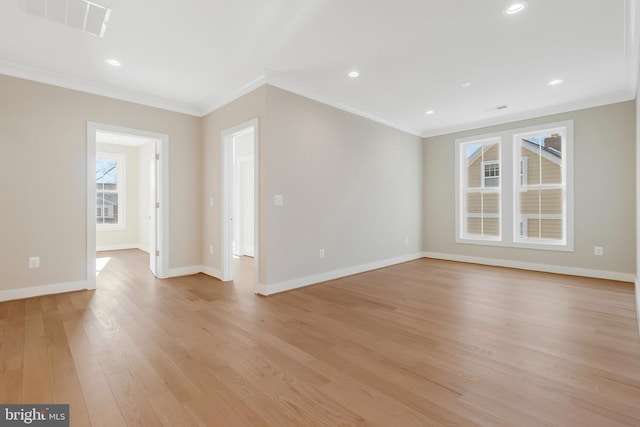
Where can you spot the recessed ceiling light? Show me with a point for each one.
(516, 8)
(429, 112)
(555, 82)
(113, 62)
(353, 74)
(465, 84)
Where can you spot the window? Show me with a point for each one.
(540, 197)
(491, 173)
(514, 188)
(110, 191)
(523, 170)
(480, 165)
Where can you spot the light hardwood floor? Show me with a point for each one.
(422, 343)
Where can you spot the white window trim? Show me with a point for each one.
(510, 228)
(122, 192)
(566, 244)
(461, 237)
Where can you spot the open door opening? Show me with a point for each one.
(127, 194)
(240, 199)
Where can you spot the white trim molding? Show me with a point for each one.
(638, 303)
(99, 89)
(194, 269)
(546, 268)
(120, 247)
(331, 275)
(210, 271)
(235, 94)
(289, 84)
(38, 291)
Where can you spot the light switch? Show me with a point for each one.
(278, 199)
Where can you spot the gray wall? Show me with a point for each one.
(43, 168)
(604, 184)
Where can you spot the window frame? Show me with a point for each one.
(510, 182)
(565, 129)
(483, 173)
(461, 234)
(121, 160)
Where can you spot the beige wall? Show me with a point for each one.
(128, 236)
(604, 176)
(43, 133)
(350, 186)
(245, 108)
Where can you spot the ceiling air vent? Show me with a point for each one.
(84, 15)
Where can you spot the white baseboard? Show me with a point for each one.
(37, 291)
(193, 269)
(548, 268)
(118, 247)
(184, 271)
(209, 271)
(331, 275)
(638, 303)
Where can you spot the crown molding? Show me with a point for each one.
(33, 74)
(237, 93)
(292, 85)
(620, 96)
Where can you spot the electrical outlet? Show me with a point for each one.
(277, 200)
(211, 249)
(406, 240)
(321, 253)
(598, 250)
(34, 262)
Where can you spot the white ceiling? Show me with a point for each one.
(412, 55)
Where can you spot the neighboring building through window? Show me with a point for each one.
(110, 191)
(515, 188)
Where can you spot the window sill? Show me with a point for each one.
(521, 245)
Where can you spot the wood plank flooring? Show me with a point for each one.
(422, 343)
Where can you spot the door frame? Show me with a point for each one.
(162, 191)
(227, 199)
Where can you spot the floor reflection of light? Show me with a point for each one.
(101, 263)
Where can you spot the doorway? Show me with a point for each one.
(113, 155)
(240, 197)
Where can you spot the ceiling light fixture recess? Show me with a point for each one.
(113, 62)
(555, 82)
(515, 8)
(429, 112)
(465, 84)
(353, 74)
